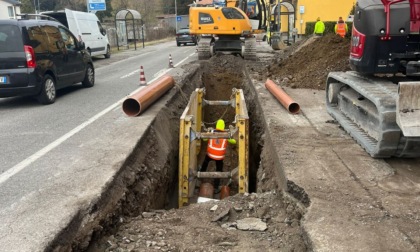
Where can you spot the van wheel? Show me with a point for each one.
(48, 92)
(89, 79)
(108, 53)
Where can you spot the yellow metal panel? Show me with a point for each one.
(199, 115)
(182, 199)
(184, 168)
(190, 122)
(243, 150)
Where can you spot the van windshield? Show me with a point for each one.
(10, 38)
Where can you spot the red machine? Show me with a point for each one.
(378, 103)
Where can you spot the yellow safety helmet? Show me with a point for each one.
(220, 125)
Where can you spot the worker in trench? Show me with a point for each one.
(216, 151)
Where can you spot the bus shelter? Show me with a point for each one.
(129, 27)
(280, 25)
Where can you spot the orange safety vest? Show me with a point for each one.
(341, 29)
(216, 148)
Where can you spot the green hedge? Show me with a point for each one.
(329, 27)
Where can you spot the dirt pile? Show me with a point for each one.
(309, 66)
(248, 222)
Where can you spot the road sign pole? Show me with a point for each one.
(176, 18)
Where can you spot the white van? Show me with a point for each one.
(85, 26)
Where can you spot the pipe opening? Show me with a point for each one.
(131, 107)
(294, 108)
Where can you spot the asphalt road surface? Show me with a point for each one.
(27, 127)
(29, 131)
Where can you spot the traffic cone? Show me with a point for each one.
(142, 77)
(171, 65)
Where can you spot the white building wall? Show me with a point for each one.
(4, 10)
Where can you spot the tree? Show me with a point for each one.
(47, 5)
(107, 13)
(27, 6)
(181, 6)
(122, 4)
(352, 10)
(77, 5)
(148, 10)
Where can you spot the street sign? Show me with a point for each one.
(96, 5)
(302, 9)
(178, 18)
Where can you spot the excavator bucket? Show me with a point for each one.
(408, 108)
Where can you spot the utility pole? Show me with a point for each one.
(176, 18)
(35, 7)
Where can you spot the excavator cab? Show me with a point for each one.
(219, 20)
(225, 26)
(384, 43)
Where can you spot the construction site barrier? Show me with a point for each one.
(135, 104)
(190, 134)
(282, 97)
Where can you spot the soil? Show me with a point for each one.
(265, 219)
(307, 63)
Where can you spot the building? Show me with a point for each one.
(326, 10)
(172, 21)
(9, 8)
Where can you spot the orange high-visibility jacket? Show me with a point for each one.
(341, 29)
(216, 148)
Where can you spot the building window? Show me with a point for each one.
(11, 12)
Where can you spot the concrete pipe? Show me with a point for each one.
(135, 104)
(282, 97)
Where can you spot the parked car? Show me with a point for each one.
(183, 36)
(38, 57)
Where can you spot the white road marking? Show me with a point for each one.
(184, 59)
(135, 71)
(28, 161)
(129, 74)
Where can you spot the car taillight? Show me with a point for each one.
(357, 43)
(30, 56)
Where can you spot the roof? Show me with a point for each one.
(14, 2)
(122, 14)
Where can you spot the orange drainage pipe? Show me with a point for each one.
(135, 104)
(282, 97)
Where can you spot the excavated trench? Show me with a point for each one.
(148, 179)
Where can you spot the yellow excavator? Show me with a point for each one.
(225, 26)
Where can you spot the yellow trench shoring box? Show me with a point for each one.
(190, 135)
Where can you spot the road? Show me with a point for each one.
(28, 127)
(29, 131)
